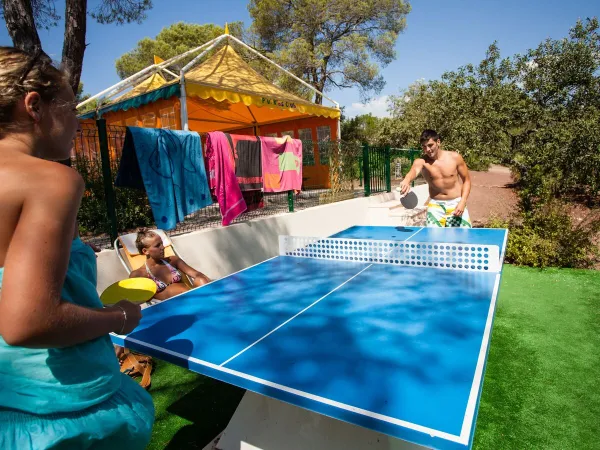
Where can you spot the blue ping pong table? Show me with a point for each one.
(396, 343)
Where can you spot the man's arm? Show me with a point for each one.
(413, 173)
(463, 173)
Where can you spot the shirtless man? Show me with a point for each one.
(441, 169)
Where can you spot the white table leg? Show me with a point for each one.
(263, 423)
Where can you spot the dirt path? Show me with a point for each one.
(491, 195)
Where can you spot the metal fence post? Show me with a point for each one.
(107, 181)
(366, 169)
(360, 171)
(291, 201)
(388, 169)
(411, 154)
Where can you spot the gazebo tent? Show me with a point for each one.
(221, 94)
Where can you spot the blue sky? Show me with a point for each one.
(440, 35)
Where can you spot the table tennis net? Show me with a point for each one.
(481, 258)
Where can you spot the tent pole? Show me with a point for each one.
(170, 73)
(183, 101)
(120, 85)
(197, 58)
(130, 84)
(123, 84)
(337, 105)
(183, 96)
(174, 59)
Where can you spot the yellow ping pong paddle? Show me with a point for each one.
(136, 290)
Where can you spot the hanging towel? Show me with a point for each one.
(223, 181)
(246, 152)
(247, 161)
(129, 174)
(281, 164)
(254, 200)
(173, 172)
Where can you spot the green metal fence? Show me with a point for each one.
(401, 160)
(384, 166)
(107, 210)
(376, 169)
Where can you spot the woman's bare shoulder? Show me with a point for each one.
(139, 272)
(29, 172)
(173, 259)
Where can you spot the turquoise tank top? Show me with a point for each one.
(46, 381)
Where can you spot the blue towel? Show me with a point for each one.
(129, 175)
(173, 171)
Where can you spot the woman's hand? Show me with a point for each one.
(132, 314)
(201, 280)
(93, 247)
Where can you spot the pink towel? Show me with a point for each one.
(222, 179)
(281, 164)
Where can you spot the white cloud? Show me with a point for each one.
(377, 107)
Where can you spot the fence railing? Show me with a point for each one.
(401, 160)
(353, 170)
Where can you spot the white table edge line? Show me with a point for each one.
(478, 377)
(420, 428)
(503, 246)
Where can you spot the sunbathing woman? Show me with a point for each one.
(166, 272)
(60, 385)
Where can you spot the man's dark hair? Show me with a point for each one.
(428, 134)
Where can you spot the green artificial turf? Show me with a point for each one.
(542, 383)
(191, 409)
(541, 388)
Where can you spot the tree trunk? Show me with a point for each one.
(74, 43)
(20, 24)
(321, 87)
(315, 83)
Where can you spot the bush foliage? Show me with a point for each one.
(538, 112)
(132, 207)
(548, 237)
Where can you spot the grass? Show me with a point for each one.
(541, 383)
(540, 389)
(191, 409)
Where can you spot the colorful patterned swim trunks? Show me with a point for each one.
(439, 214)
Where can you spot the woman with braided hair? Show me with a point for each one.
(166, 272)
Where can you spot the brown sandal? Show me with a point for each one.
(135, 364)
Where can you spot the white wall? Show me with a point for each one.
(217, 252)
(220, 251)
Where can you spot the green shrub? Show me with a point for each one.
(547, 237)
(131, 206)
(133, 209)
